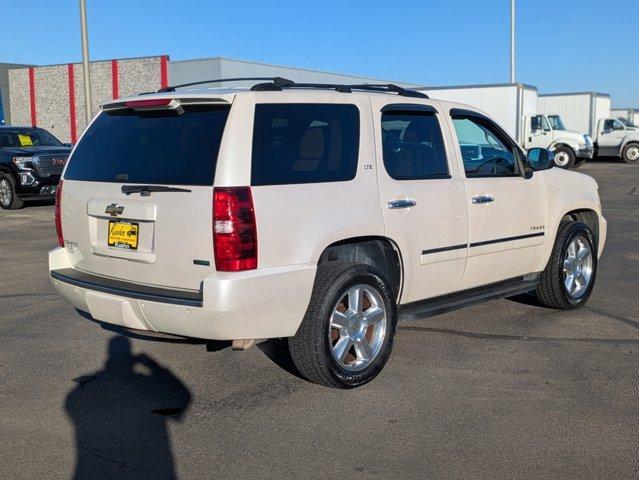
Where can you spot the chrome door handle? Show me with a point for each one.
(483, 199)
(401, 203)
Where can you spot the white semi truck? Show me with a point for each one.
(591, 112)
(628, 116)
(515, 107)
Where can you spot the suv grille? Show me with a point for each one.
(48, 165)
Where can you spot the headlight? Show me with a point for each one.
(588, 140)
(23, 162)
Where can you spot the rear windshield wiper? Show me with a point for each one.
(145, 190)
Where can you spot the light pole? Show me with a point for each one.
(85, 63)
(512, 41)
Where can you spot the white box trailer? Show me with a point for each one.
(508, 104)
(514, 107)
(591, 111)
(630, 115)
(580, 111)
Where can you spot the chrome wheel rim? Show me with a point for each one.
(577, 267)
(358, 327)
(633, 154)
(561, 159)
(5, 192)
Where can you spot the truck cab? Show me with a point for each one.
(614, 139)
(571, 149)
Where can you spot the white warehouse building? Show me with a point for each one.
(186, 71)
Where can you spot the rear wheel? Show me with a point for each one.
(8, 198)
(567, 281)
(630, 153)
(564, 157)
(347, 334)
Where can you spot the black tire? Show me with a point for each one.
(566, 152)
(311, 349)
(629, 154)
(551, 290)
(579, 162)
(13, 202)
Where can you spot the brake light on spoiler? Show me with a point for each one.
(234, 229)
(157, 102)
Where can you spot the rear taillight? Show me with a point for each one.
(234, 229)
(58, 215)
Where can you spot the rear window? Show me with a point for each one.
(304, 143)
(151, 148)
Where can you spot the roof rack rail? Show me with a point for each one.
(344, 88)
(278, 82)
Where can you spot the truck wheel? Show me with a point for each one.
(349, 328)
(8, 198)
(564, 158)
(630, 153)
(567, 281)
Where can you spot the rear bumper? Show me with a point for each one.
(262, 303)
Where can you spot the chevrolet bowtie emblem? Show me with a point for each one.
(114, 209)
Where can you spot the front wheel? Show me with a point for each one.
(630, 153)
(564, 158)
(567, 281)
(347, 334)
(8, 198)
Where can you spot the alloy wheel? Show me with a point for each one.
(577, 269)
(358, 327)
(5, 192)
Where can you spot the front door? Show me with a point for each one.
(611, 134)
(422, 196)
(538, 132)
(507, 213)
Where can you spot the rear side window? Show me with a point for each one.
(151, 148)
(413, 146)
(304, 143)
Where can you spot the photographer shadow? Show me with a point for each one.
(120, 415)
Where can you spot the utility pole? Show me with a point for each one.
(85, 63)
(512, 41)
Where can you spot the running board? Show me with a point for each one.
(465, 298)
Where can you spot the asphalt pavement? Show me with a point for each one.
(504, 389)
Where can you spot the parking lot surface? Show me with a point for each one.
(505, 389)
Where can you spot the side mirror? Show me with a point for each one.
(540, 159)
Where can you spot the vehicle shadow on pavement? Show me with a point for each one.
(121, 413)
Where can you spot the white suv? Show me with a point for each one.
(321, 213)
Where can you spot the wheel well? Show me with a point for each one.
(564, 145)
(589, 217)
(378, 252)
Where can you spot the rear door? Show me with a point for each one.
(422, 196)
(116, 222)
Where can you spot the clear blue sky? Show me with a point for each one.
(563, 45)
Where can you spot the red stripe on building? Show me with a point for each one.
(164, 71)
(32, 96)
(115, 79)
(72, 120)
